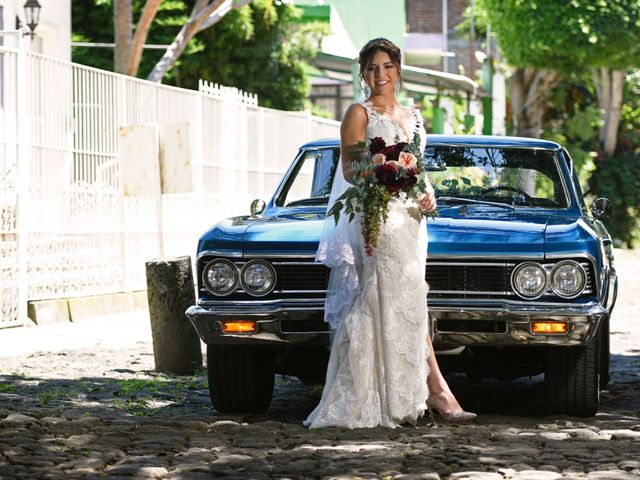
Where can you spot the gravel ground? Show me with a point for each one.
(83, 401)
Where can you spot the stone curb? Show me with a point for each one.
(75, 309)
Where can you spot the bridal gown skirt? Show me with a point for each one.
(377, 372)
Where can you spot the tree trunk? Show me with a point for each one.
(529, 90)
(611, 137)
(137, 46)
(170, 290)
(202, 16)
(609, 89)
(122, 24)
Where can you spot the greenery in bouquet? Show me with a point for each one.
(384, 172)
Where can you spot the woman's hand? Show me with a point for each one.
(428, 201)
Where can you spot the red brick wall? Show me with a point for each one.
(425, 16)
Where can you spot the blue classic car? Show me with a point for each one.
(521, 275)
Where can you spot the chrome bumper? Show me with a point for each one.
(583, 322)
(207, 320)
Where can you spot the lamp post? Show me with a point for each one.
(32, 15)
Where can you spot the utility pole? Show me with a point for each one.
(472, 42)
(445, 36)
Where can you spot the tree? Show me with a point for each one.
(578, 36)
(260, 48)
(268, 54)
(128, 46)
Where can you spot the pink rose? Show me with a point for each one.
(407, 160)
(378, 159)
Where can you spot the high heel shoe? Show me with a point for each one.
(438, 402)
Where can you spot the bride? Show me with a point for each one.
(381, 370)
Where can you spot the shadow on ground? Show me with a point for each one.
(148, 393)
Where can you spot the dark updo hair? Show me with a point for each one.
(379, 44)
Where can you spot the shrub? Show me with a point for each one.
(618, 179)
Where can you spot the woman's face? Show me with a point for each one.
(381, 74)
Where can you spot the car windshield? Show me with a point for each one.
(310, 180)
(514, 176)
(480, 175)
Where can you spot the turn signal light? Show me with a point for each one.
(549, 328)
(239, 326)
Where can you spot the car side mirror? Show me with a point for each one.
(257, 207)
(601, 208)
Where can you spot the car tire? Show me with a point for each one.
(605, 354)
(240, 378)
(572, 379)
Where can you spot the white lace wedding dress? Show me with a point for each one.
(377, 373)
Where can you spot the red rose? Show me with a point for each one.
(377, 144)
(386, 173)
(392, 152)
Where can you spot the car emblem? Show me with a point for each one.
(463, 210)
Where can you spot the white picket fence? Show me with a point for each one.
(66, 227)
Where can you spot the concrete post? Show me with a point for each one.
(176, 345)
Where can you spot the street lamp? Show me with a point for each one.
(32, 15)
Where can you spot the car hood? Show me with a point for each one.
(477, 233)
(292, 233)
(295, 233)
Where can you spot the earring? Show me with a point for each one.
(366, 91)
(396, 87)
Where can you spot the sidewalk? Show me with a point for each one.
(111, 331)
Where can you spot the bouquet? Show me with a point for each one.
(384, 172)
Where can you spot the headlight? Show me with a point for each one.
(529, 280)
(258, 278)
(568, 279)
(220, 277)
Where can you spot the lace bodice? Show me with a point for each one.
(380, 125)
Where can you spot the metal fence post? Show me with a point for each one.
(121, 115)
(22, 166)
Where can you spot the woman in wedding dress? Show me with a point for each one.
(381, 370)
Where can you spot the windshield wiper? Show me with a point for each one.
(480, 202)
(308, 201)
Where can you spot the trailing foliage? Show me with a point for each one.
(259, 48)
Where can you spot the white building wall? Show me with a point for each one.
(53, 34)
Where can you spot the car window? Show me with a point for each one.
(526, 177)
(310, 181)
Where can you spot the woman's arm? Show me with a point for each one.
(427, 202)
(352, 132)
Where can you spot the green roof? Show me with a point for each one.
(315, 13)
(367, 19)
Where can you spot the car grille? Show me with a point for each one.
(448, 278)
(305, 279)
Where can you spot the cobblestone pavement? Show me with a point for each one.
(102, 412)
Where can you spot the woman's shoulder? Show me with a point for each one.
(357, 109)
(356, 112)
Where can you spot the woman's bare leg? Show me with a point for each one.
(439, 390)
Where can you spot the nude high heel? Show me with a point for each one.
(436, 403)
